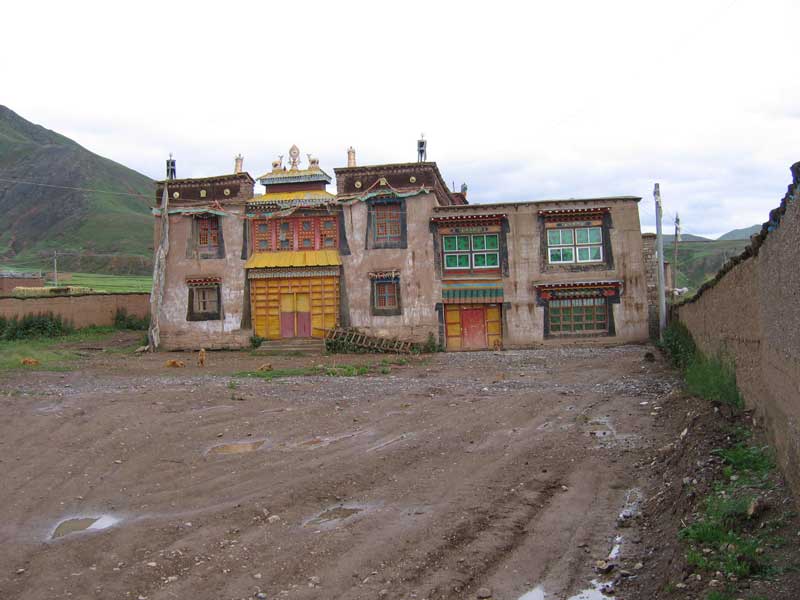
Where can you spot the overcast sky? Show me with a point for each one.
(522, 101)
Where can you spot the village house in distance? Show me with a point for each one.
(396, 254)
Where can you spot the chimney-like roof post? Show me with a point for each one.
(171, 167)
(238, 164)
(351, 157)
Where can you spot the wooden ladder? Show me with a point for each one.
(354, 337)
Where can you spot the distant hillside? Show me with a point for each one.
(38, 220)
(700, 261)
(685, 237)
(741, 234)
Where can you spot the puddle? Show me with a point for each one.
(615, 550)
(389, 442)
(602, 429)
(630, 510)
(237, 447)
(78, 524)
(595, 592)
(331, 517)
(321, 442)
(536, 593)
(598, 591)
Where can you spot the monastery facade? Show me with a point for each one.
(395, 254)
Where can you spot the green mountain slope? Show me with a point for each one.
(741, 234)
(39, 220)
(685, 237)
(698, 261)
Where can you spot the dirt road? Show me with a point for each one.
(457, 472)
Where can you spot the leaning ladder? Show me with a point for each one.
(354, 337)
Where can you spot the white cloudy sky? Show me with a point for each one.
(522, 100)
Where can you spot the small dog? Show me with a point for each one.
(29, 362)
(265, 367)
(201, 358)
(174, 363)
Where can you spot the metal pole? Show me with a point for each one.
(662, 301)
(55, 267)
(675, 253)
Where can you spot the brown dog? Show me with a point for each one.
(29, 362)
(201, 358)
(265, 367)
(174, 363)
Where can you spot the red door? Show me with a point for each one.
(473, 328)
(303, 311)
(287, 315)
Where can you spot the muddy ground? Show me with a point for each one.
(456, 472)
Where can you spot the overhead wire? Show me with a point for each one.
(78, 189)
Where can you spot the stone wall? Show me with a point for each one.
(81, 311)
(650, 257)
(750, 313)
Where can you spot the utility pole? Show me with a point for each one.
(55, 267)
(675, 252)
(662, 301)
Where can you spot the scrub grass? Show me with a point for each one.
(725, 537)
(46, 350)
(712, 378)
(384, 367)
(336, 371)
(49, 358)
(728, 534)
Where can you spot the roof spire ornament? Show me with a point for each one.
(294, 157)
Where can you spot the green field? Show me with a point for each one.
(48, 351)
(111, 283)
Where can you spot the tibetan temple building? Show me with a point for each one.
(395, 254)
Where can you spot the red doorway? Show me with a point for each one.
(295, 315)
(473, 324)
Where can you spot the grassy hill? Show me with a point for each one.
(698, 261)
(741, 234)
(38, 220)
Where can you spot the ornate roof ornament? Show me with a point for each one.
(294, 157)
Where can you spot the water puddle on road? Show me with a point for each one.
(321, 442)
(331, 517)
(390, 441)
(630, 510)
(79, 524)
(237, 447)
(536, 593)
(602, 429)
(596, 592)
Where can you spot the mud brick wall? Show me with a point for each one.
(750, 313)
(81, 311)
(8, 282)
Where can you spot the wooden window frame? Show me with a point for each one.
(471, 252)
(200, 308)
(573, 245)
(387, 215)
(208, 240)
(296, 235)
(378, 290)
(388, 238)
(578, 316)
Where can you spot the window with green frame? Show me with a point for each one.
(575, 244)
(579, 315)
(471, 251)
